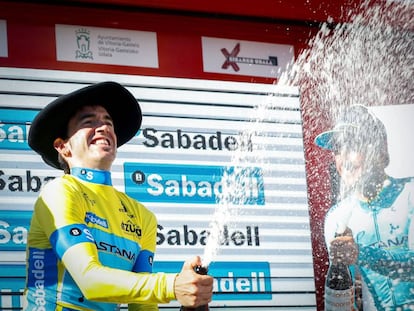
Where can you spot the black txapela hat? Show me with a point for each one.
(51, 122)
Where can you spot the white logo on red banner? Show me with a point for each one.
(245, 57)
(106, 46)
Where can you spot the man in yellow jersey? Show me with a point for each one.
(78, 255)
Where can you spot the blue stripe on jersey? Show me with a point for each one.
(115, 251)
(64, 238)
(42, 277)
(40, 261)
(144, 262)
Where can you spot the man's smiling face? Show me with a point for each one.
(91, 142)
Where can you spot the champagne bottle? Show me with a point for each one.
(200, 270)
(339, 288)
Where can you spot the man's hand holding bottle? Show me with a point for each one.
(343, 248)
(193, 289)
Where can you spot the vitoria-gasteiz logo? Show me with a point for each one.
(153, 182)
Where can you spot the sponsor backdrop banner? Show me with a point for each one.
(193, 132)
(151, 43)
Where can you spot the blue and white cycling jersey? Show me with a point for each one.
(384, 232)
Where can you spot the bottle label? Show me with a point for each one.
(339, 300)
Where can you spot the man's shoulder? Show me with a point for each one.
(343, 208)
(58, 183)
(409, 180)
(402, 183)
(344, 203)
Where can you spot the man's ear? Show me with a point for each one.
(60, 145)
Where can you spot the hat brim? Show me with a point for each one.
(326, 140)
(51, 122)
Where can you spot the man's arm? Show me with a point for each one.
(106, 284)
(101, 283)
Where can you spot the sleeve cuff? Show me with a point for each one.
(170, 278)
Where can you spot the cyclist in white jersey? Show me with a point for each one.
(377, 210)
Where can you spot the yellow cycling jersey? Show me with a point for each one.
(91, 247)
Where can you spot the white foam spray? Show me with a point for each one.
(368, 60)
(235, 180)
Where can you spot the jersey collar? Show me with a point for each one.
(91, 175)
(389, 193)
